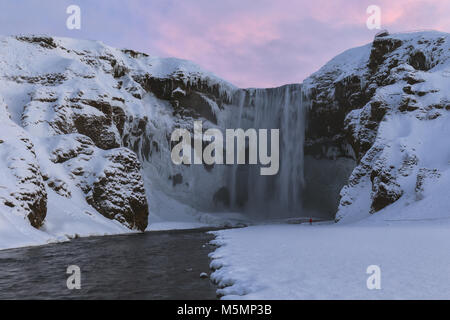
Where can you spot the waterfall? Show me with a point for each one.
(279, 195)
(240, 188)
(234, 187)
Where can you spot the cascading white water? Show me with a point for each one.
(240, 188)
(279, 195)
(233, 185)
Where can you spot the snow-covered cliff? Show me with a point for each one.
(386, 106)
(85, 138)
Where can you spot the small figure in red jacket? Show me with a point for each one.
(310, 221)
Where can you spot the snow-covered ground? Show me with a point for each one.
(330, 261)
(394, 211)
(409, 240)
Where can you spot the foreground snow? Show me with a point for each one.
(330, 261)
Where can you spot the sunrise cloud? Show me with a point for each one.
(249, 43)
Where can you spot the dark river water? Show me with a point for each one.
(153, 265)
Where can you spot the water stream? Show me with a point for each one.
(153, 265)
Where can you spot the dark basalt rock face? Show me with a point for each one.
(33, 200)
(330, 103)
(38, 210)
(101, 128)
(195, 105)
(80, 145)
(82, 122)
(164, 87)
(346, 111)
(424, 177)
(118, 192)
(97, 128)
(194, 98)
(381, 47)
(385, 189)
(22, 189)
(418, 61)
(43, 41)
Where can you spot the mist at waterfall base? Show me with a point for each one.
(278, 196)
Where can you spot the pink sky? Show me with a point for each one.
(251, 43)
(268, 43)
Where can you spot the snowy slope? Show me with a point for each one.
(27, 202)
(79, 119)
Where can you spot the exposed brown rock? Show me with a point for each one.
(118, 192)
(98, 128)
(385, 190)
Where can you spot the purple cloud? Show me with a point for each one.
(252, 43)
